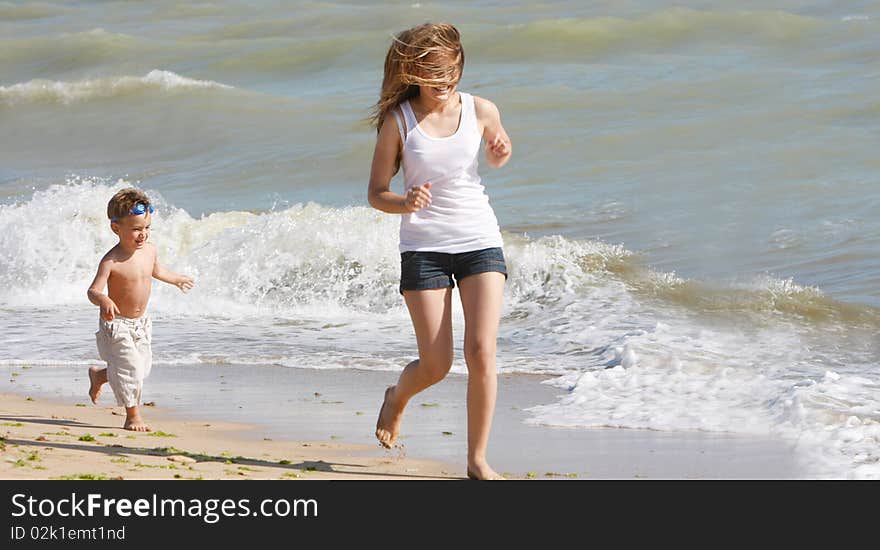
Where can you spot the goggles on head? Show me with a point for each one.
(137, 210)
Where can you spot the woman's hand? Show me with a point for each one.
(498, 149)
(417, 197)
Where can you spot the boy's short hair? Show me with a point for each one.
(124, 200)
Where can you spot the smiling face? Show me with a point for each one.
(438, 93)
(133, 231)
(439, 76)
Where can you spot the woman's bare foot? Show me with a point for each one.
(388, 423)
(97, 377)
(483, 473)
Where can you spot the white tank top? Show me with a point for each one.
(459, 218)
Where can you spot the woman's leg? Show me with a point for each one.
(431, 313)
(481, 298)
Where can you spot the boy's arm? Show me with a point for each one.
(183, 282)
(95, 291)
(498, 145)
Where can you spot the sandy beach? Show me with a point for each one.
(239, 422)
(49, 439)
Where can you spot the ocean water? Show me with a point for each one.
(690, 214)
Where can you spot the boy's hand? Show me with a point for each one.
(108, 309)
(417, 197)
(185, 283)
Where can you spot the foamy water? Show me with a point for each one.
(37, 91)
(689, 217)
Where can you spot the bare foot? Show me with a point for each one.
(388, 423)
(483, 473)
(136, 424)
(96, 380)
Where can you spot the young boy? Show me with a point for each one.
(124, 331)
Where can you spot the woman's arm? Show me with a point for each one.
(384, 167)
(498, 145)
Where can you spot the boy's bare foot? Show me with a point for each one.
(95, 383)
(388, 423)
(136, 425)
(483, 473)
(133, 420)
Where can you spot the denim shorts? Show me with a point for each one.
(427, 270)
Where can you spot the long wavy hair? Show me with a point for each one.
(427, 55)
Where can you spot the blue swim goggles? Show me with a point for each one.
(137, 210)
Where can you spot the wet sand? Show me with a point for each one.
(321, 423)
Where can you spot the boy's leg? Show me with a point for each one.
(431, 313)
(128, 362)
(133, 420)
(142, 340)
(97, 378)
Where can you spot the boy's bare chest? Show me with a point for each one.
(133, 271)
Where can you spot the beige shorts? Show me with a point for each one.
(125, 345)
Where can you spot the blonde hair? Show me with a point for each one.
(124, 200)
(427, 55)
